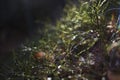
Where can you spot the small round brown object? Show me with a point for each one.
(39, 55)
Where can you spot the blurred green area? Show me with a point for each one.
(74, 48)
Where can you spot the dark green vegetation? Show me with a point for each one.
(73, 49)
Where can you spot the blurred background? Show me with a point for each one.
(75, 48)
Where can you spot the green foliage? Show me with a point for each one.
(66, 45)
